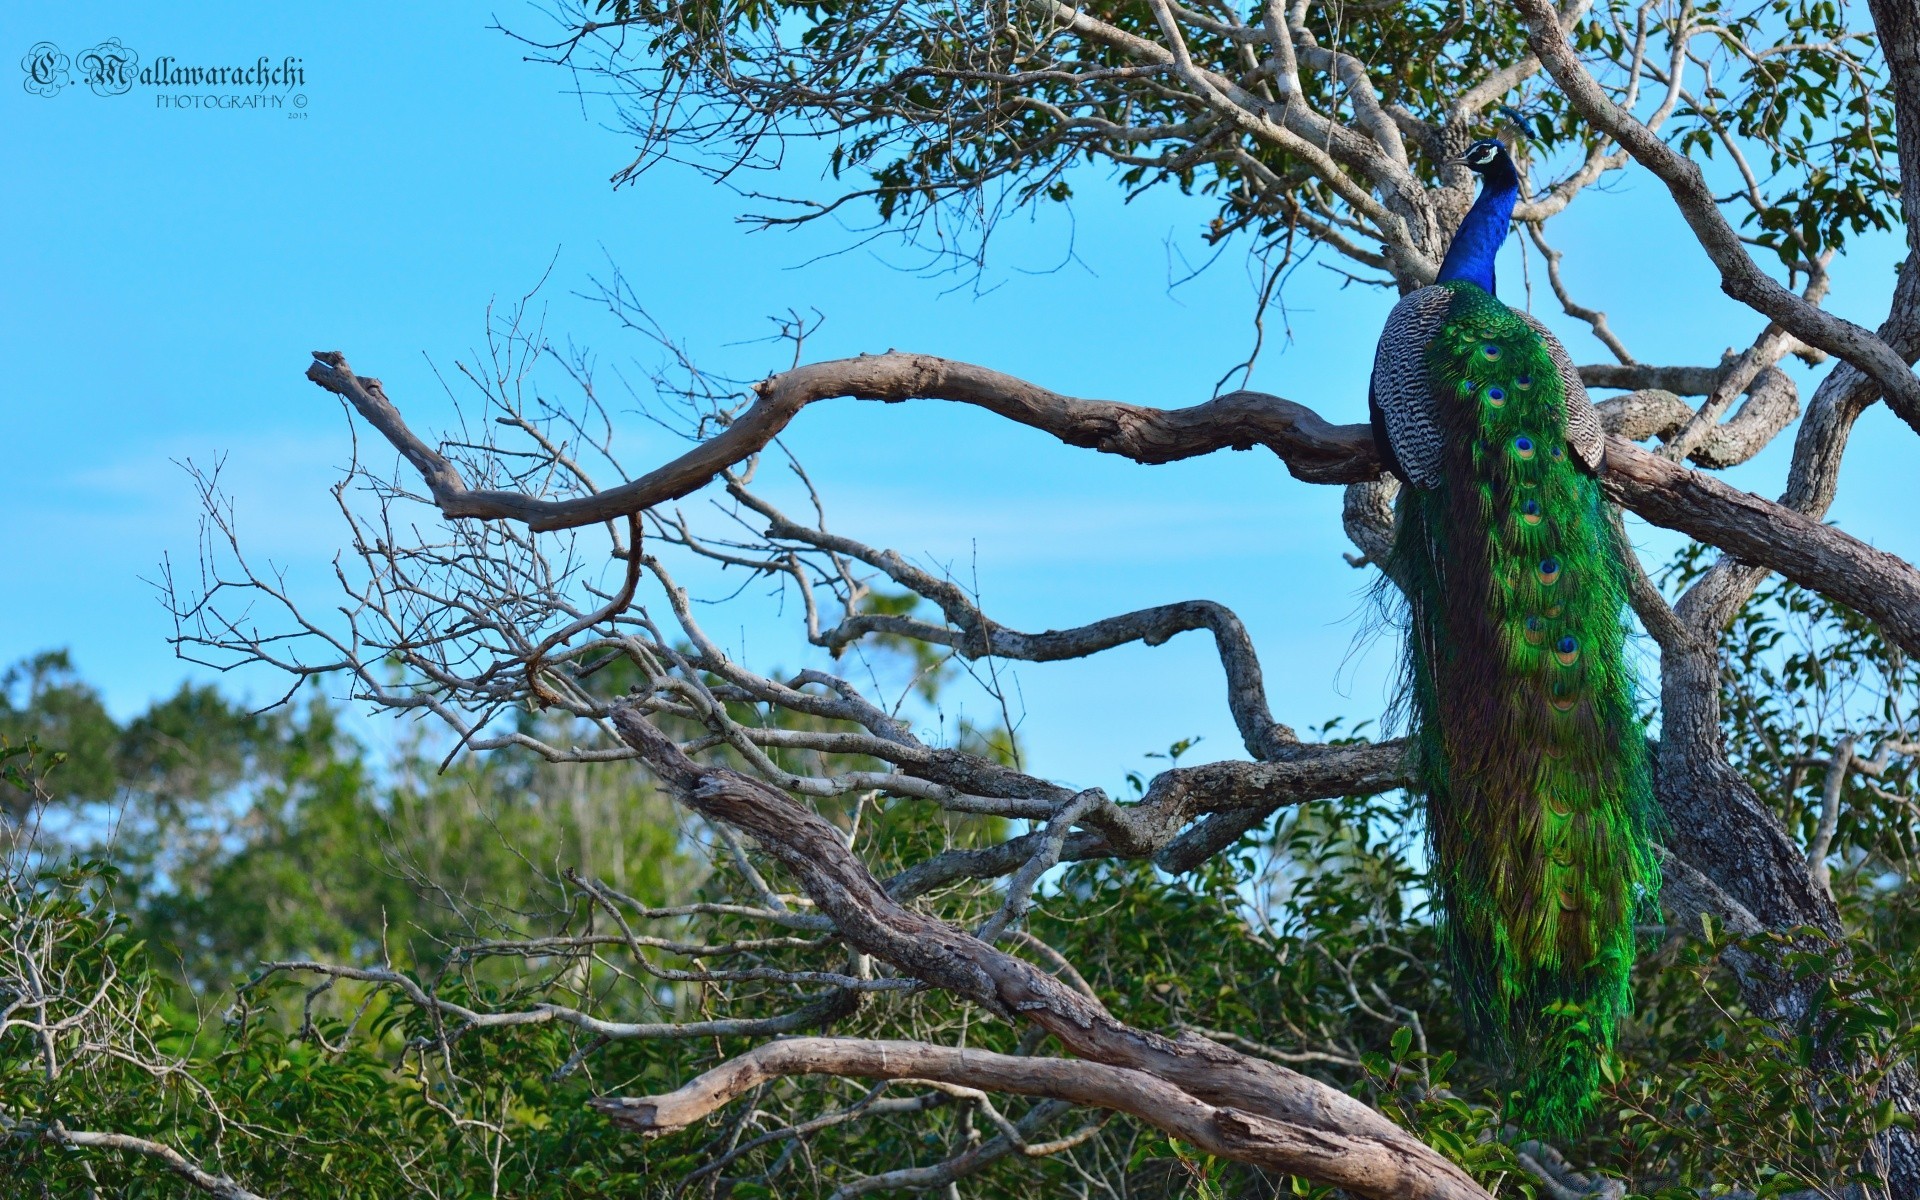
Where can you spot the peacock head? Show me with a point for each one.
(1488, 156)
(1475, 243)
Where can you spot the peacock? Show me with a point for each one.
(1540, 809)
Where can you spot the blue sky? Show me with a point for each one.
(170, 270)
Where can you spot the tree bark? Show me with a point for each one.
(1252, 1110)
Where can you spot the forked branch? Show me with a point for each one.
(1767, 534)
(1218, 1129)
(1249, 1109)
(1740, 277)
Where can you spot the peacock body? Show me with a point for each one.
(1539, 792)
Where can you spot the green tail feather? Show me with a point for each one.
(1539, 791)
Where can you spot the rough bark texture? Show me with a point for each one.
(1878, 584)
(1360, 1163)
(1289, 1120)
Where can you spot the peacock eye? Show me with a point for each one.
(1549, 573)
(1530, 511)
(1490, 352)
(1497, 397)
(1555, 453)
(1524, 382)
(1567, 650)
(1523, 446)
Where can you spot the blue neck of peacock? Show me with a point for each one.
(1477, 241)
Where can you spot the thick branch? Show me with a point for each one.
(1740, 523)
(1313, 449)
(1682, 381)
(1242, 795)
(1872, 582)
(1219, 1130)
(1230, 798)
(1771, 405)
(1376, 1158)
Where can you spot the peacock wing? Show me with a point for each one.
(1585, 437)
(1400, 399)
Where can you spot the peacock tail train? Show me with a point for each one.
(1540, 802)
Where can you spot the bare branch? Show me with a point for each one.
(1873, 582)
(1821, 846)
(1313, 449)
(218, 1186)
(1371, 1156)
(1360, 1166)
(1772, 404)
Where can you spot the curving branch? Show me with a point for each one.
(1317, 1130)
(196, 1176)
(1313, 449)
(1229, 798)
(973, 634)
(1771, 405)
(1759, 531)
(1595, 319)
(1238, 797)
(1219, 1129)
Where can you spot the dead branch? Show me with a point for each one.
(1367, 1154)
(1351, 1160)
(1755, 530)
(1313, 450)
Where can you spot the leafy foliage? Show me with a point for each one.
(947, 118)
(284, 839)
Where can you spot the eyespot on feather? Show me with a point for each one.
(1530, 512)
(1523, 447)
(1548, 572)
(1496, 397)
(1490, 352)
(1536, 631)
(1567, 651)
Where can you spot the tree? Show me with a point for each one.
(1293, 120)
(129, 1060)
